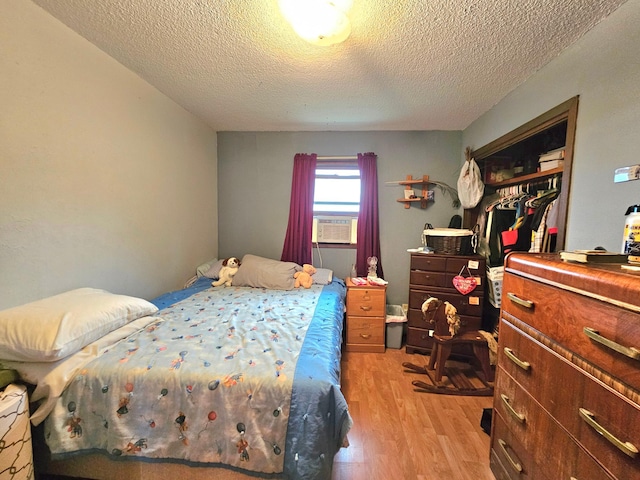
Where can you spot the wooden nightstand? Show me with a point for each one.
(366, 316)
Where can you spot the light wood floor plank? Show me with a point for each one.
(399, 433)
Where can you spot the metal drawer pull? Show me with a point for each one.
(518, 416)
(515, 465)
(516, 299)
(366, 308)
(511, 356)
(630, 352)
(627, 448)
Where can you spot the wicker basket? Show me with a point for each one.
(450, 241)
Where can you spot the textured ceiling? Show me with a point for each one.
(408, 64)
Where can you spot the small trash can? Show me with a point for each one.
(396, 318)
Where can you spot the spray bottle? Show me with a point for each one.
(631, 238)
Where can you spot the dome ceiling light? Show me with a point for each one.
(320, 22)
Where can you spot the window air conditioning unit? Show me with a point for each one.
(334, 230)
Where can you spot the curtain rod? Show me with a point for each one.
(344, 157)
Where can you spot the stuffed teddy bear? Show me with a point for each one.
(227, 271)
(303, 278)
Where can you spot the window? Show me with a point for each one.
(337, 188)
(336, 202)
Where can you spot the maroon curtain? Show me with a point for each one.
(297, 242)
(368, 225)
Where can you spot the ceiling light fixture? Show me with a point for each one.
(320, 22)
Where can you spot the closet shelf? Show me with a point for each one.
(526, 178)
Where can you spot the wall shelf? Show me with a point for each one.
(423, 183)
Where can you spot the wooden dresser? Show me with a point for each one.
(366, 317)
(567, 389)
(432, 275)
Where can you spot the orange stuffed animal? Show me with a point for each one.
(303, 278)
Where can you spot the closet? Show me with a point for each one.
(521, 190)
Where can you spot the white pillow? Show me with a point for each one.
(56, 327)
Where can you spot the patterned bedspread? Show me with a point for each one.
(212, 381)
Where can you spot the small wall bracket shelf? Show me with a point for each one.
(409, 183)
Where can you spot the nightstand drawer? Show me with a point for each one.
(367, 302)
(365, 330)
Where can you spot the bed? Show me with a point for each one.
(242, 379)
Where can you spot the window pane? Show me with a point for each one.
(345, 190)
(337, 172)
(335, 208)
(337, 189)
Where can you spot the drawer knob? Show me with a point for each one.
(627, 448)
(511, 356)
(507, 403)
(630, 352)
(516, 299)
(366, 336)
(366, 308)
(515, 465)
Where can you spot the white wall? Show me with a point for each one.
(104, 181)
(255, 188)
(604, 69)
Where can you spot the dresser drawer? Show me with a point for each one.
(476, 266)
(428, 262)
(564, 316)
(515, 461)
(369, 302)
(541, 435)
(420, 338)
(441, 280)
(365, 330)
(465, 304)
(416, 319)
(563, 389)
(479, 282)
(429, 279)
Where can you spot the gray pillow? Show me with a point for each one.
(214, 270)
(323, 276)
(262, 272)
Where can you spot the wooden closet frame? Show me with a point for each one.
(566, 111)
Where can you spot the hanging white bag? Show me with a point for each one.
(470, 186)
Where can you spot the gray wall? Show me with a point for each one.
(254, 188)
(104, 181)
(604, 69)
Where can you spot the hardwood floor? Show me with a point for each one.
(402, 434)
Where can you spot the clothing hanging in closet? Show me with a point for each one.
(519, 218)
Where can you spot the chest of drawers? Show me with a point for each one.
(432, 275)
(366, 317)
(568, 376)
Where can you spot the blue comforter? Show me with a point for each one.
(238, 376)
